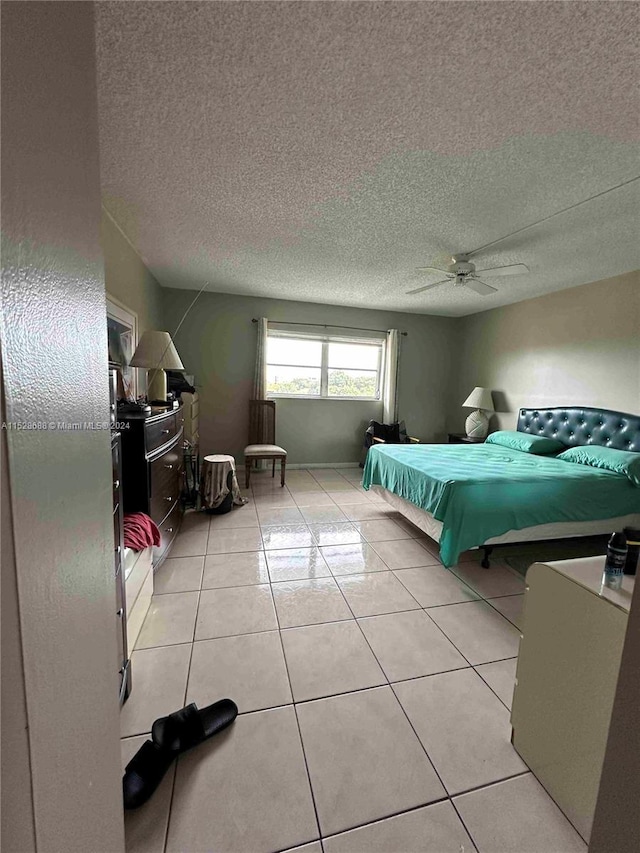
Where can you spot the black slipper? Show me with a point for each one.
(190, 726)
(143, 774)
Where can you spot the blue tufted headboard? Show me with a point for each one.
(577, 427)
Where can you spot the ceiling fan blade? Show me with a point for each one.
(431, 269)
(511, 269)
(428, 286)
(480, 287)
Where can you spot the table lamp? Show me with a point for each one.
(477, 424)
(157, 353)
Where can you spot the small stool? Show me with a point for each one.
(219, 489)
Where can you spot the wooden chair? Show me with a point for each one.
(262, 436)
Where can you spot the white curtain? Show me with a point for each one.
(260, 385)
(391, 367)
(260, 378)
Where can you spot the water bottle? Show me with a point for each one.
(614, 564)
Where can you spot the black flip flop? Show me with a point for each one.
(190, 726)
(143, 774)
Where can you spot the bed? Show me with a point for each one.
(478, 496)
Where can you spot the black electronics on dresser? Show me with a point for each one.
(124, 664)
(152, 464)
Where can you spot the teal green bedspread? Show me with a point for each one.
(484, 490)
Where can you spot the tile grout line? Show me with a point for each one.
(295, 713)
(291, 688)
(477, 601)
(324, 695)
(384, 676)
(335, 578)
(439, 801)
(184, 699)
(466, 828)
(448, 798)
(473, 667)
(510, 621)
(314, 625)
(395, 696)
(475, 788)
(479, 788)
(449, 638)
(390, 684)
(425, 607)
(400, 813)
(489, 686)
(470, 665)
(329, 695)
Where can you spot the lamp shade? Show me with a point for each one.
(479, 398)
(156, 349)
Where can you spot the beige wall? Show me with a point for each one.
(130, 282)
(576, 347)
(128, 279)
(53, 334)
(217, 343)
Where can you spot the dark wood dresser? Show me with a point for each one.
(152, 463)
(124, 664)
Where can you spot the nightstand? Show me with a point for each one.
(461, 438)
(572, 637)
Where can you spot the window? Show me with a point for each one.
(323, 366)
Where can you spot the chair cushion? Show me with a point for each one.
(264, 449)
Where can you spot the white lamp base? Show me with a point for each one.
(156, 384)
(477, 424)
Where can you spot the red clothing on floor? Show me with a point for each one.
(140, 531)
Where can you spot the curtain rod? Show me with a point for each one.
(329, 326)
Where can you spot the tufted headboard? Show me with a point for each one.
(577, 427)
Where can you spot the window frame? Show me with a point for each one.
(326, 340)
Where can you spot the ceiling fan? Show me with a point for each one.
(462, 272)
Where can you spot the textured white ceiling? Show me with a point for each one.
(321, 151)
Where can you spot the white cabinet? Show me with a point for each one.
(139, 586)
(566, 677)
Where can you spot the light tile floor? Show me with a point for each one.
(373, 686)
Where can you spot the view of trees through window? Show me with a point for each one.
(323, 368)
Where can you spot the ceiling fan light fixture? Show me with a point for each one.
(462, 272)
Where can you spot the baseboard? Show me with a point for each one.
(298, 465)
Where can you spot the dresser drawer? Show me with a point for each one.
(162, 431)
(115, 472)
(165, 478)
(117, 491)
(136, 574)
(162, 503)
(121, 620)
(168, 531)
(117, 540)
(136, 615)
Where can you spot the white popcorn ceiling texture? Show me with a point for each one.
(321, 151)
